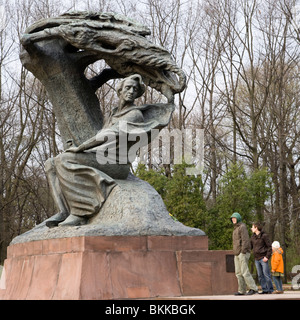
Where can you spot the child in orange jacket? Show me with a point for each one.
(277, 266)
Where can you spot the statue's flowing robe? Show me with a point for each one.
(84, 182)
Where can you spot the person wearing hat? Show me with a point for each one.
(241, 251)
(277, 266)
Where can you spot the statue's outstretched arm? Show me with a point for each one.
(90, 143)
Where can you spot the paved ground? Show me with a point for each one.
(287, 295)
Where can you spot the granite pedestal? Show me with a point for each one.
(115, 267)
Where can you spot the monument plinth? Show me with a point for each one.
(116, 267)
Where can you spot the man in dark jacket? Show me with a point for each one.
(241, 251)
(262, 251)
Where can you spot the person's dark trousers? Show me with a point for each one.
(264, 275)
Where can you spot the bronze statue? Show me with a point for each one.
(79, 182)
(91, 183)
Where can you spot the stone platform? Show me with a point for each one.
(115, 267)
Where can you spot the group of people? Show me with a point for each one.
(263, 251)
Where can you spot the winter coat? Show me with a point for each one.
(277, 261)
(240, 236)
(261, 246)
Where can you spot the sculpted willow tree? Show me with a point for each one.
(58, 50)
(101, 198)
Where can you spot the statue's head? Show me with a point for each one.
(130, 88)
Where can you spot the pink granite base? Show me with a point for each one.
(118, 267)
